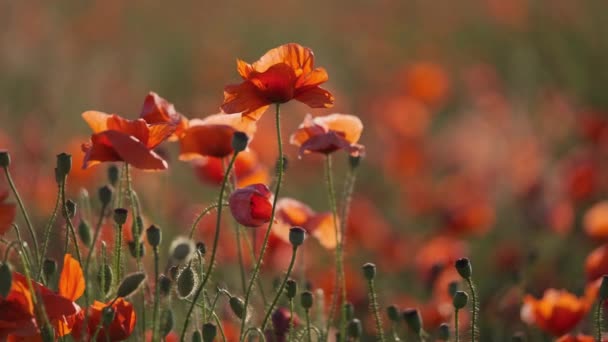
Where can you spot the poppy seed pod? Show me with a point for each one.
(209, 332)
(291, 288)
(393, 313)
(49, 267)
(130, 284)
(120, 216)
(413, 319)
(306, 300)
(182, 249)
(164, 285)
(5, 159)
(603, 293)
(452, 288)
(84, 232)
(355, 329)
(201, 248)
(251, 206)
(64, 164)
(460, 299)
(185, 282)
(6, 279)
(297, 236)
(239, 141)
(113, 175)
(238, 306)
(463, 266)
(443, 333)
(197, 337)
(70, 206)
(105, 194)
(154, 235)
(369, 271)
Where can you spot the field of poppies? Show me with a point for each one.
(392, 170)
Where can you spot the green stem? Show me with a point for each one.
(30, 227)
(598, 320)
(68, 221)
(214, 250)
(118, 253)
(27, 260)
(292, 326)
(281, 288)
(47, 231)
(307, 314)
(156, 296)
(373, 305)
(237, 228)
(474, 309)
(258, 264)
(456, 328)
(201, 215)
(259, 281)
(257, 331)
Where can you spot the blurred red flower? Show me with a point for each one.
(595, 221)
(8, 211)
(557, 312)
(327, 134)
(157, 110)
(119, 329)
(247, 169)
(577, 338)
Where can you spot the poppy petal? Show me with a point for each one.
(96, 120)
(312, 79)
(350, 125)
(316, 97)
(276, 84)
(206, 140)
(134, 151)
(71, 280)
(297, 57)
(244, 98)
(243, 68)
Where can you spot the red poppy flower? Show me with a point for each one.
(327, 134)
(595, 221)
(251, 206)
(247, 169)
(596, 264)
(282, 74)
(118, 139)
(557, 313)
(119, 329)
(8, 211)
(157, 110)
(212, 136)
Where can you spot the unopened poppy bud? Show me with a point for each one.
(297, 236)
(452, 288)
(182, 249)
(393, 313)
(167, 321)
(201, 248)
(47, 333)
(369, 271)
(173, 272)
(154, 235)
(70, 206)
(238, 306)
(354, 161)
(5, 159)
(306, 300)
(49, 267)
(196, 336)
(130, 284)
(164, 285)
(104, 278)
(120, 216)
(443, 333)
(133, 249)
(251, 206)
(239, 141)
(185, 282)
(64, 164)
(209, 332)
(291, 288)
(105, 194)
(463, 266)
(413, 319)
(355, 329)
(107, 316)
(6, 279)
(460, 299)
(604, 287)
(84, 232)
(113, 175)
(137, 226)
(349, 310)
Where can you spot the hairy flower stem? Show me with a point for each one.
(598, 320)
(340, 283)
(30, 227)
(474, 309)
(47, 233)
(258, 264)
(281, 288)
(200, 217)
(156, 296)
(213, 251)
(456, 329)
(118, 254)
(373, 306)
(307, 314)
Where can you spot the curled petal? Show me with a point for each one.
(244, 98)
(315, 97)
(298, 58)
(117, 146)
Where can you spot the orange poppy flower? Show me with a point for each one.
(212, 136)
(117, 139)
(557, 313)
(251, 206)
(157, 110)
(327, 134)
(8, 212)
(595, 221)
(120, 329)
(427, 82)
(247, 170)
(321, 226)
(282, 74)
(596, 264)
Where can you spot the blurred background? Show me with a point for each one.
(486, 127)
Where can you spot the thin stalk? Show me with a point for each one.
(474, 309)
(281, 288)
(156, 295)
(47, 231)
(201, 215)
(28, 222)
(598, 320)
(237, 229)
(373, 305)
(118, 253)
(257, 331)
(214, 250)
(68, 221)
(258, 264)
(307, 314)
(292, 326)
(259, 281)
(27, 260)
(456, 329)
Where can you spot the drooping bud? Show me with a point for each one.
(113, 175)
(49, 267)
(133, 249)
(443, 333)
(413, 319)
(297, 236)
(5, 159)
(70, 206)
(105, 276)
(355, 329)
(603, 293)
(209, 332)
(84, 232)
(154, 235)
(167, 321)
(239, 141)
(107, 316)
(238, 307)
(460, 299)
(120, 216)
(105, 195)
(182, 249)
(185, 282)
(130, 284)
(463, 266)
(369, 271)
(291, 288)
(6, 279)
(201, 248)
(173, 272)
(64, 165)
(196, 336)
(393, 313)
(452, 288)
(306, 300)
(164, 285)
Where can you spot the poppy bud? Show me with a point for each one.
(137, 226)
(460, 299)
(64, 164)
(355, 329)
(297, 236)
(104, 278)
(209, 332)
(167, 321)
(251, 206)
(107, 316)
(291, 288)
(197, 337)
(120, 216)
(113, 175)
(306, 300)
(443, 333)
(6, 279)
(604, 288)
(452, 288)
(5, 158)
(105, 194)
(239, 141)
(354, 161)
(413, 319)
(393, 313)
(463, 266)
(173, 271)
(70, 206)
(369, 271)
(349, 309)
(201, 248)
(154, 235)
(47, 333)
(49, 267)
(133, 249)
(164, 285)
(238, 306)
(130, 284)
(84, 232)
(185, 282)
(182, 249)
